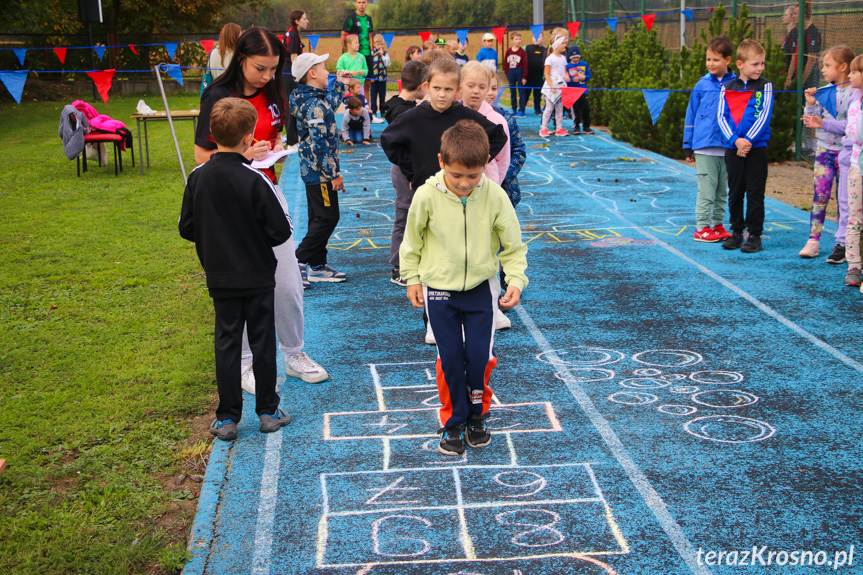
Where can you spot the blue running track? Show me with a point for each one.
(659, 401)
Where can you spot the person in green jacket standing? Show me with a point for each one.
(361, 24)
(458, 222)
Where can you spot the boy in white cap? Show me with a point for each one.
(487, 55)
(314, 107)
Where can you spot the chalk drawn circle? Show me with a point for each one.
(673, 376)
(632, 398)
(584, 374)
(724, 398)
(672, 409)
(667, 357)
(716, 377)
(729, 429)
(581, 356)
(684, 388)
(644, 383)
(646, 372)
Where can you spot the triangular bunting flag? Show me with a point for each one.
(208, 45)
(135, 50)
(14, 82)
(100, 51)
(571, 95)
(281, 38)
(20, 53)
(388, 39)
(536, 30)
(462, 36)
(313, 40)
(61, 54)
(499, 33)
(655, 102)
(173, 70)
(688, 13)
(103, 80)
(612, 23)
(826, 96)
(573, 28)
(737, 101)
(171, 47)
(399, 82)
(424, 36)
(500, 92)
(648, 21)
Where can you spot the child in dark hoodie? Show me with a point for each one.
(412, 90)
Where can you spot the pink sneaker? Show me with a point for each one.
(721, 232)
(705, 234)
(810, 250)
(543, 133)
(561, 132)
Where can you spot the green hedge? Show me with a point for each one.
(639, 61)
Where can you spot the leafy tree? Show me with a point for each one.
(513, 12)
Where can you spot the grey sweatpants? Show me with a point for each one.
(404, 197)
(712, 178)
(288, 296)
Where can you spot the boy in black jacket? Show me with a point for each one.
(412, 90)
(412, 142)
(231, 212)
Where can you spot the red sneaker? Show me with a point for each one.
(707, 235)
(721, 232)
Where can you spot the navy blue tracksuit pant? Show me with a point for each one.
(463, 366)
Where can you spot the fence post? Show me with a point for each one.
(734, 8)
(611, 8)
(642, 7)
(538, 12)
(682, 25)
(801, 40)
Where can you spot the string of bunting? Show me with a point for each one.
(462, 34)
(655, 99)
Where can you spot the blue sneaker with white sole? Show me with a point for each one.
(324, 273)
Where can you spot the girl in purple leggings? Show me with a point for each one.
(832, 158)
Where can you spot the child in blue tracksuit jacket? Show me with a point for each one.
(703, 139)
(746, 145)
(577, 76)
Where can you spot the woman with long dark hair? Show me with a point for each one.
(294, 46)
(254, 74)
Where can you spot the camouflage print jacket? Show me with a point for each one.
(517, 157)
(314, 109)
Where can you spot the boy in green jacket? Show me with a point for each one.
(458, 222)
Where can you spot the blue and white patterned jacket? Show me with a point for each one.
(314, 109)
(517, 157)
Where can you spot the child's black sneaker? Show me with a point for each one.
(274, 422)
(733, 242)
(587, 131)
(477, 435)
(837, 256)
(752, 245)
(396, 278)
(225, 430)
(451, 442)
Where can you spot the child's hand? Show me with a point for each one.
(812, 121)
(415, 295)
(366, 142)
(511, 298)
(258, 151)
(338, 184)
(809, 93)
(690, 158)
(524, 82)
(743, 146)
(349, 143)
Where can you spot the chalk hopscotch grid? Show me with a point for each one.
(460, 507)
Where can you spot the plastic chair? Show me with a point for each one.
(102, 137)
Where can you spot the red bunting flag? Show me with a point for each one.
(281, 38)
(103, 80)
(135, 50)
(208, 45)
(61, 54)
(573, 28)
(648, 21)
(399, 82)
(571, 95)
(737, 101)
(499, 33)
(424, 36)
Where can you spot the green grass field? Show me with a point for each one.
(105, 352)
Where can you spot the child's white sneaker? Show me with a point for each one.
(247, 379)
(429, 339)
(810, 250)
(500, 320)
